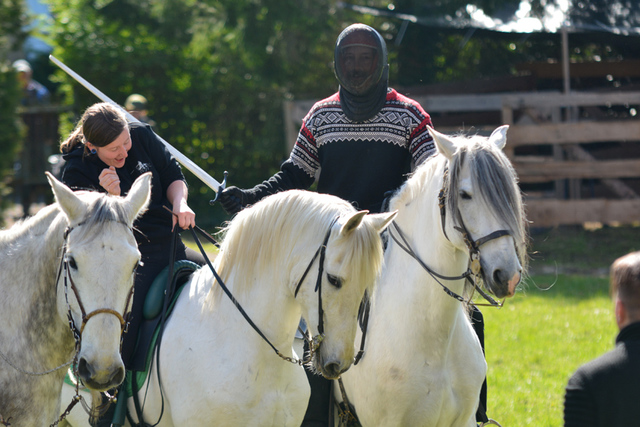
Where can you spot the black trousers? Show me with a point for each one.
(154, 258)
(317, 414)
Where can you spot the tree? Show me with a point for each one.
(12, 20)
(215, 73)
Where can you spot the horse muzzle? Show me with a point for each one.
(503, 286)
(331, 368)
(100, 379)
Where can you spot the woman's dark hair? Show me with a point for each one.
(100, 125)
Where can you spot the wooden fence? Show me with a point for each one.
(550, 142)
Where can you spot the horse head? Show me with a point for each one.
(485, 215)
(95, 283)
(350, 261)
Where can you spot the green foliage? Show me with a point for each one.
(12, 18)
(10, 130)
(215, 73)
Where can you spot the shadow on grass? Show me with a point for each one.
(575, 247)
(567, 286)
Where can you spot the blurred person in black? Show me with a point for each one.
(606, 391)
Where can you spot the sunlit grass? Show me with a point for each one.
(209, 248)
(537, 340)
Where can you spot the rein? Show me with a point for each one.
(314, 343)
(77, 332)
(475, 268)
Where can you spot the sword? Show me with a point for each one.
(184, 160)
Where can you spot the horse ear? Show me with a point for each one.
(353, 222)
(381, 221)
(138, 198)
(70, 204)
(444, 144)
(499, 136)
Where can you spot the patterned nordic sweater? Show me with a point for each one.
(358, 162)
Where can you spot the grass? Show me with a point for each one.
(536, 341)
(562, 319)
(208, 247)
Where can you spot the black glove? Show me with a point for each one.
(232, 199)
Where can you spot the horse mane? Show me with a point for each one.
(103, 209)
(498, 189)
(491, 168)
(49, 220)
(272, 232)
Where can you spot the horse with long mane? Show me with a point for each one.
(294, 253)
(460, 217)
(73, 263)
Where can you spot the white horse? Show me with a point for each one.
(84, 240)
(215, 369)
(423, 364)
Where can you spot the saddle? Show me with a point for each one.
(149, 332)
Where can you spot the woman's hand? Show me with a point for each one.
(110, 181)
(184, 216)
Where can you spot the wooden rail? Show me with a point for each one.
(550, 119)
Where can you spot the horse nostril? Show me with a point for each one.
(332, 370)
(118, 376)
(500, 278)
(85, 370)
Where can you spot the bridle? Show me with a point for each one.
(77, 332)
(322, 252)
(69, 283)
(314, 342)
(473, 272)
(475, 268)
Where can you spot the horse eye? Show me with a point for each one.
(465, 195)
(334, 281)
(72, 263)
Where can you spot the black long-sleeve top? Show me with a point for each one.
(606, 391)
(147, 153)
(357, 161)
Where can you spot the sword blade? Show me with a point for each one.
(184, 160)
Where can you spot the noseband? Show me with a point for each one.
(475, 267)
(68, 282)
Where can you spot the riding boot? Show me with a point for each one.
(317, 414)
(477, 321)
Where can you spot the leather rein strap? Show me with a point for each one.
(68, 279)
(314, 342)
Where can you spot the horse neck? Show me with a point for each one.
(29, 291)
(405, 283)
(267, 300)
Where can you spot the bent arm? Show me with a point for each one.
(177, 193)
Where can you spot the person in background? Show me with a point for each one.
(136, 105)
(605, 392)
(105, 153)
(33, 93)
(359, 144)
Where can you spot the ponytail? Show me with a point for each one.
(73, 140)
